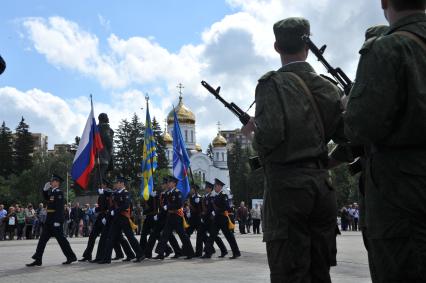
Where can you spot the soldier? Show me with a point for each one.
(386, 113)
(174, 221)
(221, 221)
(194, 219)
(208, 225)
(297, 113)
(150, 210)
(121, 222)
(54, 222)
(160, 221)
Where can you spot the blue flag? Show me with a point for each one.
(149, 160)
(180, 159)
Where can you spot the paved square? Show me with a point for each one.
(251, 267)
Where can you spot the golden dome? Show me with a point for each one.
(219, 141)
(183, 113)
(198, 148)
(167, 138)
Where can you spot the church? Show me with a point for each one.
(202, 165)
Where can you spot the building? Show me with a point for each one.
(62, 148)
(40, 143)
(201, 164)
(235, 135)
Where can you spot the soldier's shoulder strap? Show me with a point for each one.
(413, 37)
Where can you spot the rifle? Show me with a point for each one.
(243, 116)
(254, 161)
(341, 78)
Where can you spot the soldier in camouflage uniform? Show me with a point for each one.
(297, 113)
(386, 112)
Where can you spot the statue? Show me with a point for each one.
(104, 160)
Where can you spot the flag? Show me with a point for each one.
(149, 160)
(180, 159)
(90, 144)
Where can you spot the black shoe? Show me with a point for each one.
(85, 259)
(69, 260)
(148, 255)
(160, 257)
(188, 257)
(34, 263)
(94, 260)
(198, 255)
(206, 256)
(104, 261)
(235, 256)
(176, 256)
(128, 259)
(167, 253)
(223, 254)
(139, 259)
(117, 258)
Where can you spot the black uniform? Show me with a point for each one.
(174, 222)
(195, 206)
(105, 205)
(150, 210)
(208, 226)
(221, 206)
(54, 225)
(120, 223)
(158, 228)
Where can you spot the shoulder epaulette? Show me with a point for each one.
(267, 76)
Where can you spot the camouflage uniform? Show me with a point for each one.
(387, 113)
(299, 203)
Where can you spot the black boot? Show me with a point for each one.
(70, 260)
(34, 263)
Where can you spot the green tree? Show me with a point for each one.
(210, 151)
(239, 172)
(24, 147)
(161, 146)
(346, 186)
(6, 151)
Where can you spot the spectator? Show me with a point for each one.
(11, 223)
(20, 217)
(350, 216)
(3, 214)
(76, 216)
(137, 215)
(86, 220)
(242, 217)
(93, 215)
(256, 216)
(355, 217)
(30, 217)
(37, 221)
(249, 221)
(344, 217)
(67, 220)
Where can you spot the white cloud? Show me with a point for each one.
(234, 52)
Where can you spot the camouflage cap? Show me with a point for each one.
(290, 31)
(375, 31)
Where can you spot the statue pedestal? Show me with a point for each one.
(86, 199)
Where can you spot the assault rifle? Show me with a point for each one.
(341, 78)
(243, 116)
(254, 161)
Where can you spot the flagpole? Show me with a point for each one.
(97, 150)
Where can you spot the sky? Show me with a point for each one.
(60, 52)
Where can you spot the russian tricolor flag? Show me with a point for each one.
(90, 145)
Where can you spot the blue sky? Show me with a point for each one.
(58, 52)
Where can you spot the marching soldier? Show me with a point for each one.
(150, 210)
(121, 222)
(54, 222)
(160, 221)
(222, 221)
(174, 221)
(194, 219)
(208, 225)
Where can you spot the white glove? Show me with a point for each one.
(213, 213)
(155, 217)
(101, 191)
(46, 186)
(104, 221)
(154, 193)
(202, 221)
(197, 200)
(112, 212)
(188, 214)
(56, 224)
(165, 207)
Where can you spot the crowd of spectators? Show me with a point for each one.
(349, 217)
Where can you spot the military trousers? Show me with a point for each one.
(208, 226)
(49, 230)
(175, 223)
(96, 231)
(395, 216)
(300, 217)
(147, 228)
(195, 226)
(220, 223)
(156, 236)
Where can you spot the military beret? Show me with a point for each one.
(208, 185)
(173, 179)
(291, 29)
(56, 177)
(375, 31)
(218, 182)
